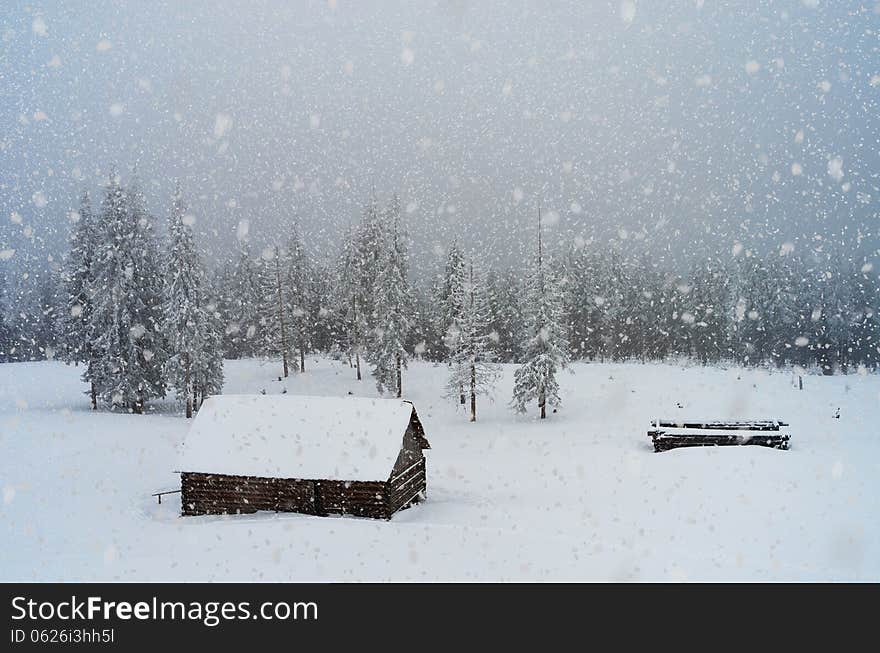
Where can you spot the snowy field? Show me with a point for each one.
(581, 496)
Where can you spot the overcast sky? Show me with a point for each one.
(681, 126)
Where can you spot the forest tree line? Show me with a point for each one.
(135, 305)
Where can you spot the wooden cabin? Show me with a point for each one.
(314, 455)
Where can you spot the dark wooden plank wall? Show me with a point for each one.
(407, 487)
(361, 498)
(223, 494)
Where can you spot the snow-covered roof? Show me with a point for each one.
(292, 436)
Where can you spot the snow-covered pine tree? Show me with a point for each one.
(392, 311)
(45, 324)
(34, 298)
(185, 319)
(298, 299)
(358, 269)
(78, 278)
(425, 335)
(708, 299)
(241, 300)
(450, 293)
(148, 297)
(209, 372)
(785, 274)
(370, 240)
(349, 300)
(505, 302)
(5, 333)
(112, 327)
(273, 307)
(546, 349)
(470, 343)
(325, 323)
(450, 299)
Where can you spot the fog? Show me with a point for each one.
(675, 127)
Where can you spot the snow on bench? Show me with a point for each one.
(671, 434)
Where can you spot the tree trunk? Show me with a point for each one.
(542, 402)
(187, 385)
(399, 379)
(356, 340)
(302, 360)
(461, 398)
(94, 397)
(281, 314)
(473, 393)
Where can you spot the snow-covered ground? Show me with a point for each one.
(580, 496)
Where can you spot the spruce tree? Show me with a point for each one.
(393, 308)
(452, 300)
(546, 349)
(450, 295)
(505, 302)
(350, 301)
(6, 344)
(148, 297)
(112, 328)
(185, 320)
(78, 280)
(274, 309)
(358, 270)
(708, 298)
(470, 343)
(241, 303)
(209, 369)
(298, 296)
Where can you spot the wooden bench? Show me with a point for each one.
(671, 434)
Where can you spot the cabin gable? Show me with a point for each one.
(408, 481)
